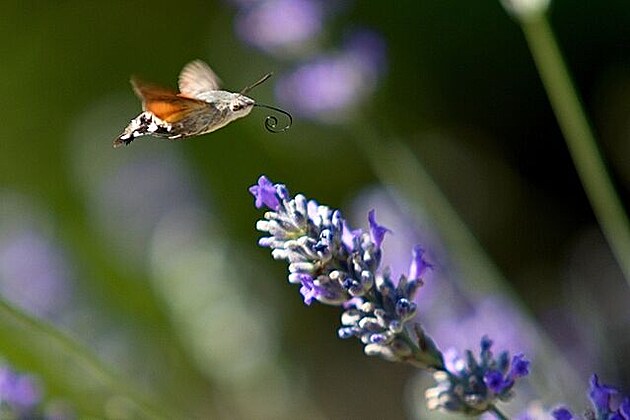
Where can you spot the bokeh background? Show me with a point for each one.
(148, 255)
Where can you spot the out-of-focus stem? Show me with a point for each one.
(579, 137)
(81, 358)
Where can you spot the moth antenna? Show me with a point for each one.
(250, 87)
(271, 122)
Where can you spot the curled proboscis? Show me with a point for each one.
(271, 122)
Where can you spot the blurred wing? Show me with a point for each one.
(197, 77)
(166, 104)
(144, 90)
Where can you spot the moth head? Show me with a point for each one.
(241, 105)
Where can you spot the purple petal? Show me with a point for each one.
(418, 264)
(265, 194)
(377, 232)
(561, 413)
(308, 290)
(520, 366)
(600, 394)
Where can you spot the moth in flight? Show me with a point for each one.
(199, 108)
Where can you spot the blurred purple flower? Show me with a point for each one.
(19, 392)
(493, 316)
(330, 86)
(21, 398)
(130, 199)
(278, 26)
(33, 272)
(369, 49)
(535, 410)
(418, 264)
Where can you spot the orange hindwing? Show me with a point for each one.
(164, 103)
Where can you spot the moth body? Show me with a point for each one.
(199, 108)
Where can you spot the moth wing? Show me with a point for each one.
(196, 78)
(165, 103)
(143, 89)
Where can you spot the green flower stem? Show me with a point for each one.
(422, 358)
(494, 410)
(43, 338)
(579, 137)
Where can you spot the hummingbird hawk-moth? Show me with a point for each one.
(199, 107)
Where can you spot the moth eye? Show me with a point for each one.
(236, 107)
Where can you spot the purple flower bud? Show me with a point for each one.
(377, 232)
(495, 381)
(486, 343)
(345, 332)
(265, 194)
(378, 338)
(404, 308)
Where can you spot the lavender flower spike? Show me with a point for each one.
(474, 386)
(339, 266)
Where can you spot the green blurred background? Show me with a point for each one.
(461, 90)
